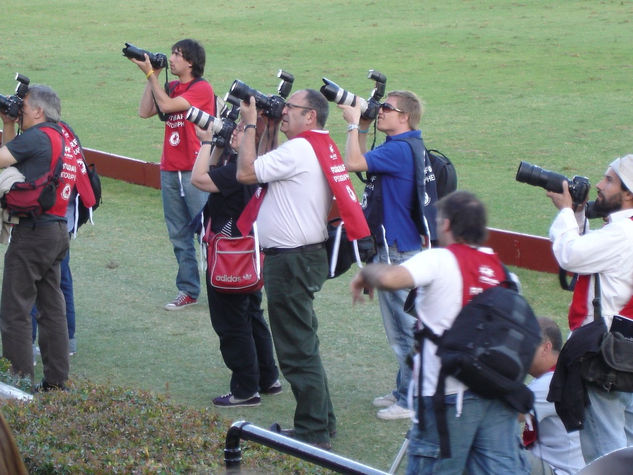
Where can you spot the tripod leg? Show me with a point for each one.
(401, 453)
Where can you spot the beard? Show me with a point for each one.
(607, 206)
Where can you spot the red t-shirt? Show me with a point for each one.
(181, 145)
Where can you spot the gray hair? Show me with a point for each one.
(43, 97)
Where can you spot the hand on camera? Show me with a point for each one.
(351, 114)
(204, 134)
(561, 200)
(145, 66)
(248, 111)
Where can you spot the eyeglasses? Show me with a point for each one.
(386, 107)
(295, 106)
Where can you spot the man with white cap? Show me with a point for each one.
(607, 252)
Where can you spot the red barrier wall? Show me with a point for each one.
(515, 249)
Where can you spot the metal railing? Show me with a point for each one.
(243, 430)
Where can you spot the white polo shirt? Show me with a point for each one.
(295, 209)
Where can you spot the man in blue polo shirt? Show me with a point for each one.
(389, 204)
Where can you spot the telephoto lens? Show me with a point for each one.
(204, 120)
(536, 176)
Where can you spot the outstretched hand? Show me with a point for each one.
(359, 287)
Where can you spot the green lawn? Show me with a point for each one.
(546, 82)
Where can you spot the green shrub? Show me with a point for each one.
(7, 377)
(97, 429)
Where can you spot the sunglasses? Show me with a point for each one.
(386, 107)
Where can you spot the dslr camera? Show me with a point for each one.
(223, 126)
(369, 108)
(158, 60)
(270, 105)
(533, 175)
(12, 105)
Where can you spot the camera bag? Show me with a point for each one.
(342, 252)
(489, 347)
(32, 198)
(611, 368)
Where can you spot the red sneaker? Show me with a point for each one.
(180, 302)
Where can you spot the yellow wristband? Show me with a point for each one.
(149, 73)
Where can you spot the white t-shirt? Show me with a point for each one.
(557, 447)
(295, 209)
(439, 300)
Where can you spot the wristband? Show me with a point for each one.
(206, 142)
(363, 131)
(351, 127)
(249, 126)
(149, 73)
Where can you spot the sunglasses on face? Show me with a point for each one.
(386, 107)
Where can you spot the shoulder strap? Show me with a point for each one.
(57, 148)
(418, 151)
(162, 116)
(597, 306)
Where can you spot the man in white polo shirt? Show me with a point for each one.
(292, 228)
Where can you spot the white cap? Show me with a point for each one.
(623, 167)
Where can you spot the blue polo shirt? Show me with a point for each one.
(393, 160)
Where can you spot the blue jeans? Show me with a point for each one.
(608, 423)
(483, 440)
(66, 285)
(399, 325)
(181, 202)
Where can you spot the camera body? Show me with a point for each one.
(158, 60)
(12, 105)
(221, 127)
(534, 175)
(369, 108)
(273, 105)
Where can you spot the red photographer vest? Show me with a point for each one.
(51, 192)
(67, 175)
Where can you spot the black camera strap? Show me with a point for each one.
(161, 116)
(365, 179)
(563, 274)
(596, 302)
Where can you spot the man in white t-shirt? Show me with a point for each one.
(483, 433)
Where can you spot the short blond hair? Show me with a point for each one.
(410, 104)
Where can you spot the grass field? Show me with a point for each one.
(546, 82)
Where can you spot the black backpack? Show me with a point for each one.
(444, 172)
(490, 348)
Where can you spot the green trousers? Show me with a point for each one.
(291, 279)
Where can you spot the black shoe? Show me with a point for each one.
(273, 389)
(44, 387)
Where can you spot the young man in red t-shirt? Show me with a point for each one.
(181, 200)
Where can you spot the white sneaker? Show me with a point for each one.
(394, 412)
(384, 401)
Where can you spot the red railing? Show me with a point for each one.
(515, 249)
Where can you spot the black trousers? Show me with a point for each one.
(245, 341)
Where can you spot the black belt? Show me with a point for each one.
(271, 251)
